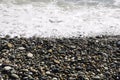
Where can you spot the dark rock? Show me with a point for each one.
(118, 43)
(78, 68)
(55, 70)
(81, 78)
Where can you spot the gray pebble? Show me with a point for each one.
(15, 76)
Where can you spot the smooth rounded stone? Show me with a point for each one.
(54, 79)
(13, 71)
(12, 57)
(7, 68)
(56, 61)
(25, 70)
(30, 77)
(48, 72)
(21, 48)
(33, 70)
(9, 45)
(96, 77)
(78, 68)
(50, 50)
(72, 46)
(106, 68)
(29, 55)
(61, 52)
(15, 76)
(118, 43)
(0, 64)
(81, 73)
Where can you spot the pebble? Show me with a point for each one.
(33, 70)
(55, 70)
(10, 45)
(72, 46)
(7, 68)
(118, 43)
(29, 55)
(50, 50)
(57, 62)
(54, 79)
(21, 48)
(47, 72)
(96, 77)
(15, 76)
(106, 68)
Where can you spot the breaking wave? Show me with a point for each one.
(59, 18)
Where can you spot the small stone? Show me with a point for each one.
(50, 51)
(25, 70)
(78, 68)
(33, 70)
(0, 64)
(10, 45)
(55, 70)
(47, 72)
(12, 57)
(57, 62)
(30, 77)
(29, 55)
(7, 68)
(72, 46)
(61, 51)
(106, 68)
(118, 43)
(96, 77)
(21, 48)
(15, 76)
(54, 79)
(13, 71)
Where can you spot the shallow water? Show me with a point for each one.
(59, 18)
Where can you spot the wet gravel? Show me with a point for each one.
(93, 58)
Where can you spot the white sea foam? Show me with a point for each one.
(56, 20)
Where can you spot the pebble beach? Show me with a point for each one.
(93, 58)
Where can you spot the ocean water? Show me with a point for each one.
(59, 18)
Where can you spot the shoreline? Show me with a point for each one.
(90, 58)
